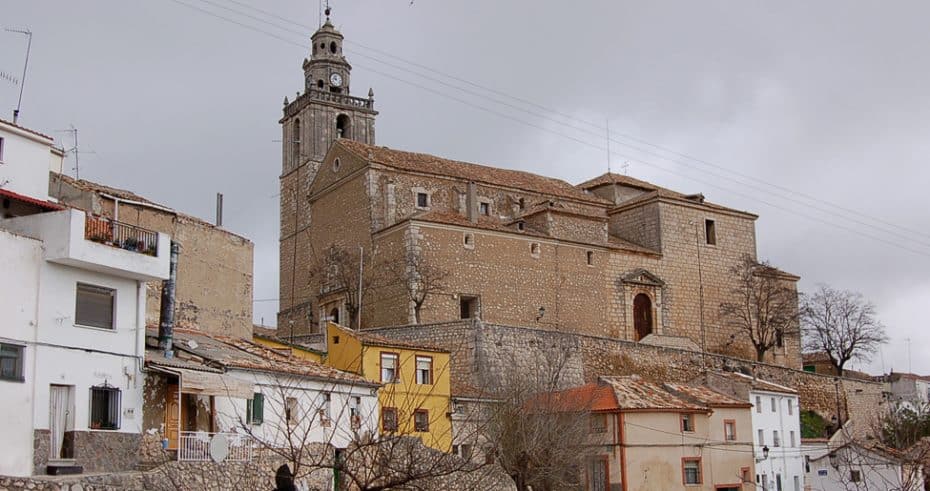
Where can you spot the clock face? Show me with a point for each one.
(336, 80)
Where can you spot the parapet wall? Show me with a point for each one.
(485, 355)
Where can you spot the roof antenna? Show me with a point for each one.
(22, 85)
(607, 120)
(327, 11)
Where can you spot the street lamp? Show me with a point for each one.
(765, 452)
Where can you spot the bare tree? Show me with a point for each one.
(765, 306)
(537, 435)
(841, 324)
(338, 270)
(420, 279)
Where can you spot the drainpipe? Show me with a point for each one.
(166, 317)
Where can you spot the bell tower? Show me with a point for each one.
(324, 112)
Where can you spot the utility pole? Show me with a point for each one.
(22, 84)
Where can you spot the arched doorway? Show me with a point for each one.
(334, 315)
(642, 315)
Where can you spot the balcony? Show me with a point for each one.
(73, 239)
(121, 235)
(201, 446)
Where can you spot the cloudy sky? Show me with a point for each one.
(813, 115)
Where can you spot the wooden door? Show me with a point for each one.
(598, 474)
(642, 315)
(172, 416)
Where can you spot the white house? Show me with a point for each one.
(71, 345)
(842, 464)
(776, 429)
(251, 396)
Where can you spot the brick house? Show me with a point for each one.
(613, 256)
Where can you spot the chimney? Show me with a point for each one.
(166, 317)
(471, 202)
(219, 209)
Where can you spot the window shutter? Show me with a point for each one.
(248, 410)
(258, 409)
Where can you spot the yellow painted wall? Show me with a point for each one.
(405, 395)
(297, 352)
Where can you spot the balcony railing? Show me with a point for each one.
(121, 235)
(201, 446)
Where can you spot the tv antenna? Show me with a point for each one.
(74, 150)
(22, 85)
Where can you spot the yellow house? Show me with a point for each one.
(415, 396)
(268, 339)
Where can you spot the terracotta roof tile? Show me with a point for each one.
(705, 395)
(376, 340)
(633, 393)
(610, 177)
(48, 205)
(421, 162)
(757, 383)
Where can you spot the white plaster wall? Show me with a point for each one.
(21, 258)
(309, 393)
(785, 460)
(876, 473)
(25, 162)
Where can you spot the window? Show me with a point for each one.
(778, 482)
(290, 410)
(11, 362)
(295, 142)
(424, 370)
(791, 439)
(729, 430)
(779, 338)
(422, 200)
(761, 438)
(1, 150)
(744, 474)
(355, 412)
(807, 464)
(776, 440)
(521, 226)
(687, 422)
(522, 204)
(598, 423)
(389, 368)
(255, 409)
(534, 249)
(790, 407)
(468, 307)
(758, 404)
(336, 164)
(691, 470)
(589, 256)
(421, 420)
(388, 419)
(104, 408)
(797, 483)
(343, 126)
(710, 232)
(484, 208)
(469, 240)
(325, 409)
(94, 306)
(335, 339)
(855, 476)
(463, 451)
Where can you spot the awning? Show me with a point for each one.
(213, 384)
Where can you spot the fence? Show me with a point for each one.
(201, 446)
(121, 235)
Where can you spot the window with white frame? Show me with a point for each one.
(104, 407)
(355, 412)
(773, 405)
(424, 370)
(325, 412)
(761, 436)
(389, 373)
(791, 439)
(94, 306)
(729, 430)
(758, 404)
(290, 410)
(776, 440)
(255, 409)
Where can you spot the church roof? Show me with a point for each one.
(421, 162)
(612, 178)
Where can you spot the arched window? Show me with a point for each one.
(332, 47)
(319, 84)
(642, 315)
(343, 126)
(334, 315)
(295, 141)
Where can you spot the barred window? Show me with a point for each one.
(104, 408)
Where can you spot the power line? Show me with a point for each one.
(586, 143)
(590, 124)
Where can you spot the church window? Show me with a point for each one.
(779, 338)
(332, 47)
(468, 307)
(642, 315)
(343, 126)
(522, 204)
(422, 200)
(521, 226)
(319, 84)
(469, 240)
(589, 255)
(334, 315)
(534, 249)
(485, 208)
(336, 164)
(710, 232)
(295, 141)
(322, 45)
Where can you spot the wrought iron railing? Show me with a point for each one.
(201, 446)
(121, 235)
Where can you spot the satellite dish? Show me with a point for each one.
(192, 344)
(219, 448)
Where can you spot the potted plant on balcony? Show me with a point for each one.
(130, 244)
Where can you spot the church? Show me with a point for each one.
(613, 256)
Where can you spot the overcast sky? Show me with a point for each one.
(780, 102)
